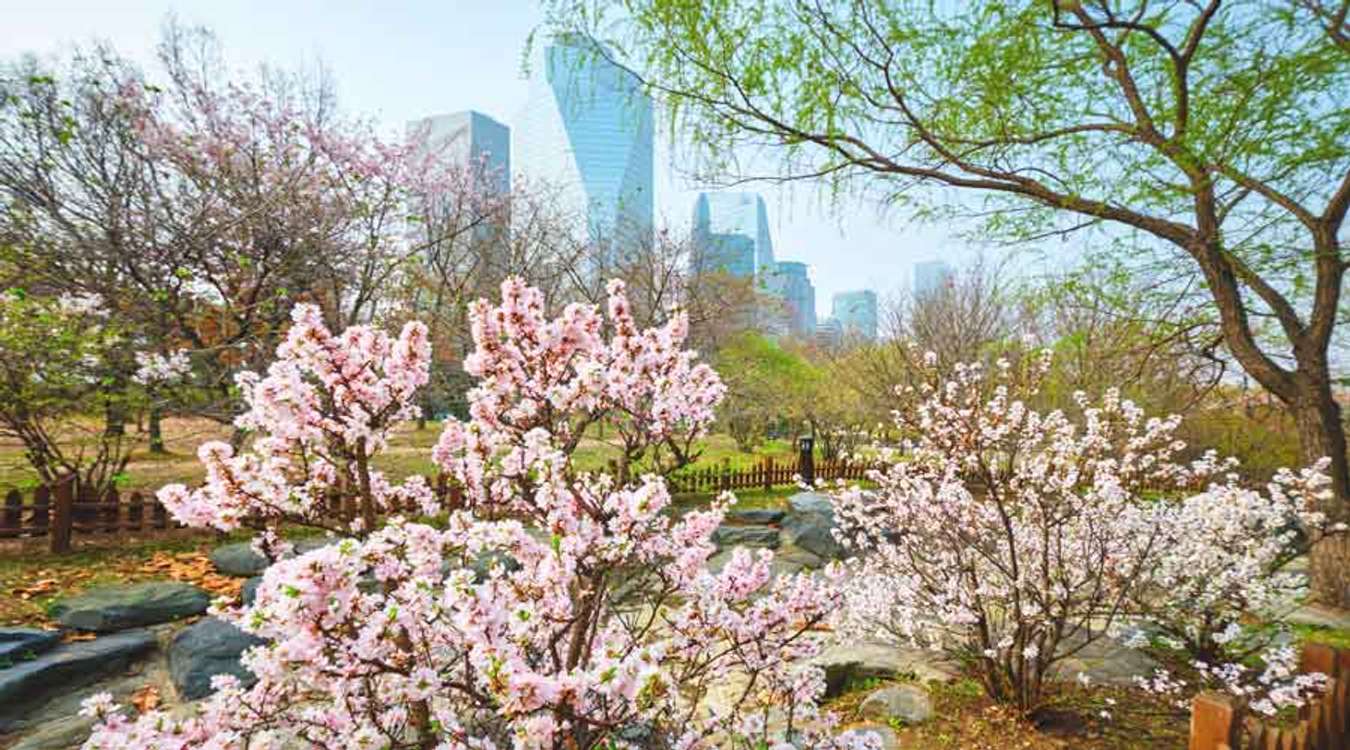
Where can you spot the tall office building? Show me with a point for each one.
(718, 217)
(791, 283)
(930, 276)
(856, 312)
(587, 131)
(473, 141)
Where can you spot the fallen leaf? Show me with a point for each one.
(146, 698)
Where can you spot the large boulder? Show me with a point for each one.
(849, 663)
(907, 703)
(109, 608)
(809, 524)
(1104, 661)
(204, 650)
(811, 502)
(67, 667)
(746, 536)
(18, 644)
(889, 741)
(239, 559)
(756, 515)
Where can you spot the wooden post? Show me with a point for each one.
(766, 473)
(63, 516)
(1216, 723)
(725, 484)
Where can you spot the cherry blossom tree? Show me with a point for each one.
(1011, 539)
(553, 609)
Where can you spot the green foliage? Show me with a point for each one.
(767, 386)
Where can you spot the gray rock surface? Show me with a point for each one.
(60, 734)
(756, 515)
(1104, 661)
(746, 536)
(846, 663)
(17, 644)
(249, 591)
(238, 559)
(812, 532)
(811, 502)
(889, 740)
(205, 649)
(809, 524)
(67, 667)
(907, 703)
(109, 608)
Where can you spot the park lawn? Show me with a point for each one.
(409, 453)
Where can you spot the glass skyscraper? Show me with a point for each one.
(587, 131)
(931, 276)
(856, 312)
(791, 283)
(472, 141)
(731, 230)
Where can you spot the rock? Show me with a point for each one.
(849, 663)
(1320, 615)
(67, 667)
(792, 560)
(811, 502)
(110, 608)
(249, 591)
(756, 515)
(18, 644)
(907, 703)
(205, 649)
(746, 536)
(68, 732)
(238, 559)
(813, 532)
(889, 740)
(1105, 660)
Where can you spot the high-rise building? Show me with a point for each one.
(930, 276)
(829, 333)
(730, 253)
(856, 312)
(791, 283)
(719, 216)
(472, 141)
(586, 130)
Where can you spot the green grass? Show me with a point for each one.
(1335, 637)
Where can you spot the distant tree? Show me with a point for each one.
(766, 388)
(1213, 135)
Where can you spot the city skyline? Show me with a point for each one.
(848, 244)
(587, 129)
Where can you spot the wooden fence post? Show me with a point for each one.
(766, 469)
(63, 507)
(1216, 723)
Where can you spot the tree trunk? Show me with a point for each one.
(156, 430)
(1321, 433)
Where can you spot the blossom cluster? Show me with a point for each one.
(154, 368)
(1010, 538)
(555, 609)
(322, 412)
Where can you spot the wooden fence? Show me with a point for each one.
(1219, 722)
(61, 510)
(765, 475)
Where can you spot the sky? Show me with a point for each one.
(396, 61)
